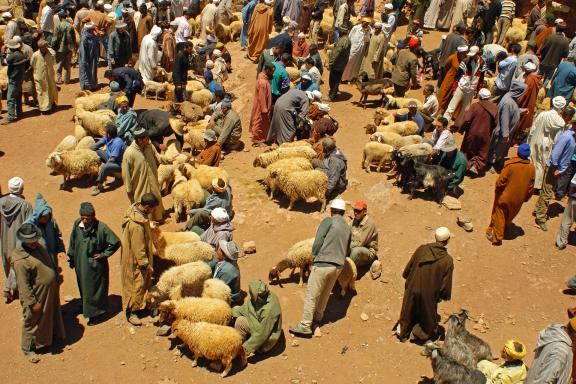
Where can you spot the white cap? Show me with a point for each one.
(100, 2)
(267, 2)
(484, 94)
(17, 38)
(473, 51)
(15, 185)
(6, 15)
(174, 23)
(338, 204)
(215, 1)
(90, 25)
(388, 6)
(286, 20)
(442, 234)
(209, 64)
(558, 21)
(529, 66)
(559, 102)
(310, 95)
(462, 48)
(217, 53)
(378, 24)
(307, 77)
(444, 37)
(301, 35)
(317, 94)
(219, 214)
(107, 7)
(323, 107)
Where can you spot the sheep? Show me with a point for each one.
(236, 16)
(165, 176)
(404, 128)
(407, 140)
(391, 102)
(68, 143)
(448, 371)
(514, 35)
(202, 97)
(94, 123)
(194, 85)
(454, 347)
(162, 239)
(211, 341)
(77, 163)
(293, 73)
(376, 152)
(162, 75)
(297, 143)
(179, 281)
(189, 111)
(299, 256)
(183, 253)
(372, 87)
(174, 152)
(195, 309)
(222, 32)
(205, 174)
(416, 150)
(385, 137)
(186, 194)
(90, 101)
(235, 28)
(265, 159)
(86, 143)
(217, 289)
(194, 137)
(79, 132)
(285, 166)
(4, 78)
(380, 114)
(155, 88)
(303, 185)
(347, 277)
(479, 347)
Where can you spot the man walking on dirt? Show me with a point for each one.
(330, 248)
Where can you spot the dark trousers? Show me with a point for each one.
(546, 72)
(399, 90)
(563, 183)
(334, 82)
(131, 95)
(108, 168)
(179, 93)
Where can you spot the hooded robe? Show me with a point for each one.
(477, 125)
(359, 39)
(260, 28)
(553, 359)
(50, 231)
(288, 106)
(148, 59)
(45, 79)
(261, 109)
(528, 101)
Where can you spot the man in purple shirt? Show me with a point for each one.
(111, 158)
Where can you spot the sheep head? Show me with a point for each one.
(257, 163)
(453, 323)
(273, 275)
(431, 350)
(370, 128)
(54, 160)
(166, 311)
(464, 315)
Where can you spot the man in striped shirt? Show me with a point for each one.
(505, 20)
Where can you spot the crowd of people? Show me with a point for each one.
(488, 89)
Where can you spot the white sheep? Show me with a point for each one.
(194, 137)
(212, 342)
(299, 256)
(174, 152)
(291, 164)
(93, 122)
(385, 137)
(514, 35)
(235, 28)
(155, 88)
(386, 116)
(90, 101)
(205, 174)
(391, 102)
(202, 97)
(404, 128)
(407, 140)
(180, 281)
(79, 132)
(182, 253)
(74, 163)
(165, 176)
(293, 73)
(186, 194)
(194, 85)
(195, 309)
(413, 150)
(68, 143)
(347, 278)
(303, 185)
(376, 152)
(86, 143)
(217, 289)
(266, 158)
(297, 143)
(161, 239)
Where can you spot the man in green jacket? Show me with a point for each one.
(454, 161)
(64, 43)
(337, 61)
(91, 244)
(330, 248)
(228, 127)
(259, 320)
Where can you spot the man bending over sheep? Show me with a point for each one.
(364, 245)
(225, 268)
(334, 165)
(259, 320)
(330, 248)
(228, 127)
(137, 257)
(221, 197)
(428, 277)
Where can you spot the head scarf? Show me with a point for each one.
(524, 151)
(15, 185)
(511, 350)
(559, 102)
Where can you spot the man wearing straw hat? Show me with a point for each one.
(211, 153)
(119, 46)
(38, 287)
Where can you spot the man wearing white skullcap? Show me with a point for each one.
(14, 211)
(220, 228)
(428, 277)
(148, 58)
(372, 62)
(543, 132)
(11, 27)
(217, 207)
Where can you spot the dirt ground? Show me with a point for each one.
(516, 289)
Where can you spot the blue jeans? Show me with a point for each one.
(14, 99)
(108, 168)
(244, 35)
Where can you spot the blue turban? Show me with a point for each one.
(524, 151)
(227, 103)
(208, 75)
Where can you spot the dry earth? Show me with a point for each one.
(516, 288)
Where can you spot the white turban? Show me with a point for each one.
(107, 7)
(90, 25)
(317, 94)
(462, 48)
(558, 21)
(219, 214)
(559, 102)
(378, 25)
(155, 31)
(484, 94)
(323, 107)
(215, 1)
(267, 2)
(15, 185)
(529, 66)
(310, 95)
(286, 20)
(209, 64)
(442, 234)
(301, 35)
(6, 15)
(174, 23)
(388, 6)
(17, 39)
(217, 53)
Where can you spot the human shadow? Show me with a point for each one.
(343, 96)
(337, 306)
(74, 330)
(277, 350)
(513, 231)
(83, 182)
(426, 380)
(299, 206)
(555, 209)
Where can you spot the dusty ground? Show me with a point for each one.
(516, 288)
